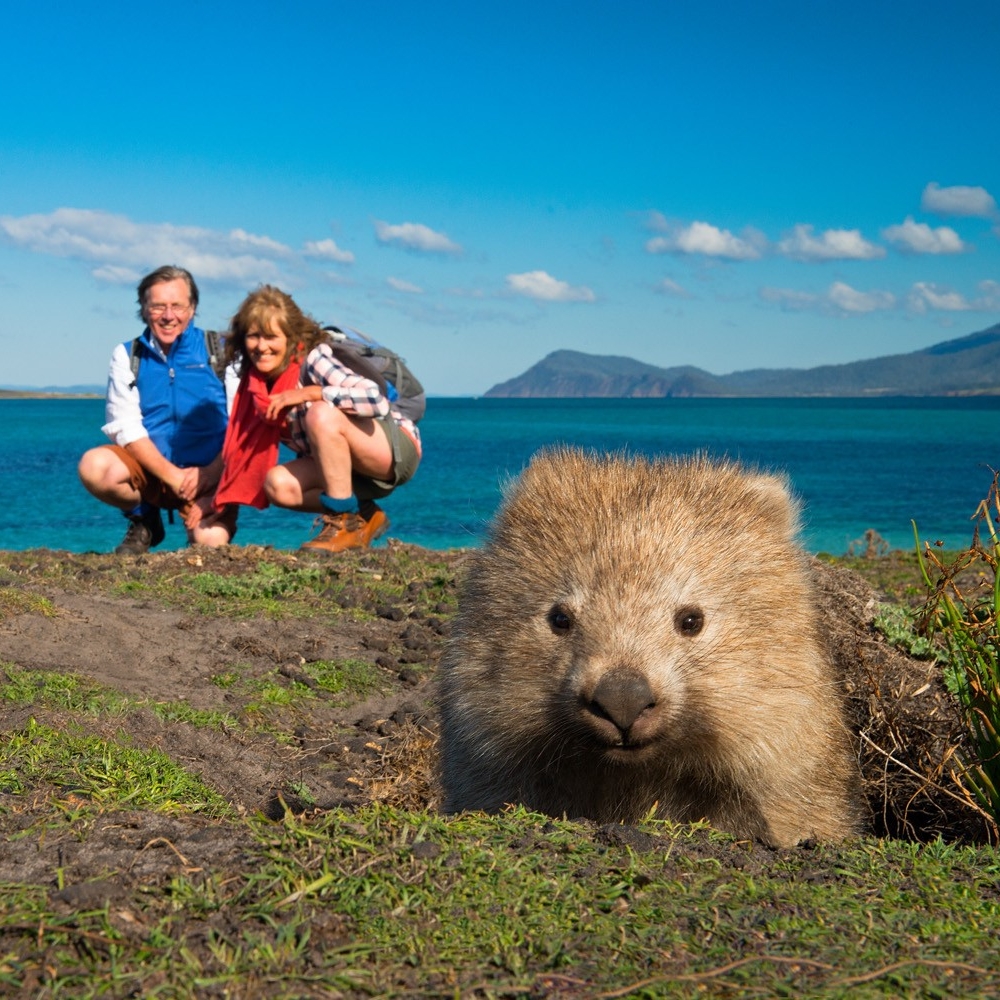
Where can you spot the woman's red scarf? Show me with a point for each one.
(251, 445)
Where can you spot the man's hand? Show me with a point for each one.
(184, 482)
(199, 480)
(188, 485)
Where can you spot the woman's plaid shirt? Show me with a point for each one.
(344, 389)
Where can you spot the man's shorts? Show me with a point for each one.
(405, 459)
(157, 493)
(151, 488)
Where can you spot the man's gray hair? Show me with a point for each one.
(166, 273)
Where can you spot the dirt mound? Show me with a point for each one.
(907, 724)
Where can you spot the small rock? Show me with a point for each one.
(424, 850)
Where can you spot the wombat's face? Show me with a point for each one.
(634, 611)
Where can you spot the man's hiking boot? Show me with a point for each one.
(349, 531)
(144, 531)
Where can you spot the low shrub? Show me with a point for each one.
(963, 611)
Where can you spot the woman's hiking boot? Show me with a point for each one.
(349, 531)
(144, 531)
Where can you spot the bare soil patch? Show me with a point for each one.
(152, 650)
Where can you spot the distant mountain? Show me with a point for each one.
(967, 366)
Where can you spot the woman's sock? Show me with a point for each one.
(339, 505)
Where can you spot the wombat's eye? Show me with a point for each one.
(560, 620)
(689, 621)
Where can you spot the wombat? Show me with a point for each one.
(638, 637)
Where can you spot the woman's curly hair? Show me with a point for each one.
(259, 310)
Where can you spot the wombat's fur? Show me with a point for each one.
(640, 635)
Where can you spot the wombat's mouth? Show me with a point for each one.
(626, 750)
(616, 742)
(627, 756)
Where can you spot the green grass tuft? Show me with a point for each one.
(104, 772)
(67, 691)
(15, 601)
(355, 678)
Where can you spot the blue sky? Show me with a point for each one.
(725, 185)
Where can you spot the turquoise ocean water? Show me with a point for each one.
(856, 464)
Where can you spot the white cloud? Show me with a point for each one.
(708, 240)
(404, 286)
(327, 250)
(918, 237)
(119, 249)
(834, 244)
(958, 200)
(925, 295)
(243, 269)
(850, 300)
(115, 275)
(838, 298)
(415, 236)
(541, 285)
(241, 237)
(667, 286)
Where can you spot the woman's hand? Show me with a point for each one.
(282, 401)
(201, 512)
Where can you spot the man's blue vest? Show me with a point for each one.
(183, 401)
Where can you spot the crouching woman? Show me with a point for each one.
(328, 405)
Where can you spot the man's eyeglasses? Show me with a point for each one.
(159, 310)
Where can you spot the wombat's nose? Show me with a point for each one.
(622, 696)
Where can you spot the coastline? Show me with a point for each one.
(37, 394)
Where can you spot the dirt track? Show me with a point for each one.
(153, 651)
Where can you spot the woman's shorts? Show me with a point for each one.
(405, 459)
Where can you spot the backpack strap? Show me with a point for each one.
(398, 376)
(135, 350)
(214, 349)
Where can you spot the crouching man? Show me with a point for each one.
(166, 418)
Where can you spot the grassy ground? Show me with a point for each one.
(245, 808)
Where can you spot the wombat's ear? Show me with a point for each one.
(771, 499)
